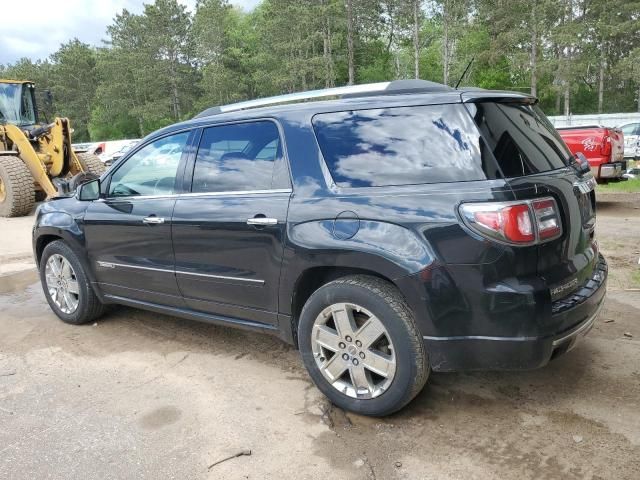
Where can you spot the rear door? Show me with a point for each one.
(228, 232)
(128, 232)
(536, 161)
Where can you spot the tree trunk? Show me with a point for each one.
(601, 78)
(350, 52)
(176, 102)
(445, 43)
(566, 77)
(534, 50)
(326, 46)
(416, 36)
(141, 126)
(174, 90)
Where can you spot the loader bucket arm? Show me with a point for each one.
(30, 158)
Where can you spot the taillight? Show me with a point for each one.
(525, 222)
(547, 219)
(605, 146)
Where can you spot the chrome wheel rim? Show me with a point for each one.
(3, 191)
(62, 284)
(353, 351)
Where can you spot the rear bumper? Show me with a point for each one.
(525, 352)
(609, 170)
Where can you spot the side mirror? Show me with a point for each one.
(44, 101)
(584, 163)
(89, 191)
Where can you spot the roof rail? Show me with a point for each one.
(350, 91)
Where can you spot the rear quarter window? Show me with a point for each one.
(522, 139)
(402, 146)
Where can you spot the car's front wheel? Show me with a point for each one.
(361, 346)
(66, 285)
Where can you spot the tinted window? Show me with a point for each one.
(521, 137)
(237, 157)
(630, 129)
(151, 170)
(401, 146)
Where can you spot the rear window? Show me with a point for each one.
(402, 146)
(522, 139)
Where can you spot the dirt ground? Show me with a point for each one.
(139, 395)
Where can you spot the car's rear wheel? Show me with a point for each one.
(66, 285)
(361, 346)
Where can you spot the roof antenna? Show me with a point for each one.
(465, 72)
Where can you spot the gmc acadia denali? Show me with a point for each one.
(386, 231)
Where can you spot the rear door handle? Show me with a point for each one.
(153, 220)
(262, 221)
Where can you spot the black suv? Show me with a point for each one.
(394, 229)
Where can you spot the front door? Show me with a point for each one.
(128, 232)
(228, 233)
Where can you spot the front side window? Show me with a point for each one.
(238, 157)
(152, 170)
(402, 146)
(16, 104)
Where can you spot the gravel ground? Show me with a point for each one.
(139, 395)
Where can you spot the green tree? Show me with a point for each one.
(74, 82)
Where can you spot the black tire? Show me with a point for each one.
(91, 163)
(80, 178)
(17, 192)
(41, 195)
(385, 301)
(89, 306)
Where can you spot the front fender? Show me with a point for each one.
(52, 222)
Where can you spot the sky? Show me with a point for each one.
(40, 26)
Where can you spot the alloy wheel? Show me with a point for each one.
(353, 351)
(62, 284)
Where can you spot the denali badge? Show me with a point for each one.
(560, 289)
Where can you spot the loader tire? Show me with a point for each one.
(91, 163)
(17, 193)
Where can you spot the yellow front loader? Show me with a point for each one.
(35, 159)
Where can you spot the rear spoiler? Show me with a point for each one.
(497, 96)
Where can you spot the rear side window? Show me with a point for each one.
(239, 157)
(521, 137)
(402, 146)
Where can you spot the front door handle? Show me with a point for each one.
(262, 221)
(153, 220)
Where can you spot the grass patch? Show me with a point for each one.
(635, 279)
(630, 186)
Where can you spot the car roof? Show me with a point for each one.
(368, 96)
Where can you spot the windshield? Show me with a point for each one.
(16, 104)
(521, 137)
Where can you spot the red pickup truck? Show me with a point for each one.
(602, 146)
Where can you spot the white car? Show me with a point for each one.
(632, 173)
(631, 133)
(107, 150)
